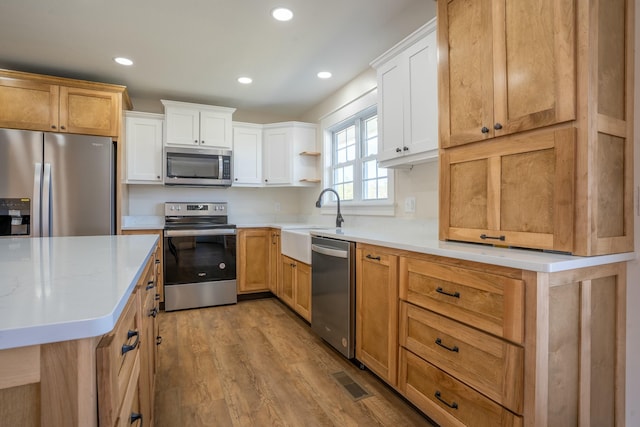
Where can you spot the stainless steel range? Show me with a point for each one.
(199, 256)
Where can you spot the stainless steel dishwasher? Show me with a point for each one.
(333, 293)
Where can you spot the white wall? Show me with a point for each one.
(246, 205)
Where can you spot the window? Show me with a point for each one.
(355, 174)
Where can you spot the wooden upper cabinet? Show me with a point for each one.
(513, 192)
(497, 79)
(54, 104)
(89, 112)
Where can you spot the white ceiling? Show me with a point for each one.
(194, 50)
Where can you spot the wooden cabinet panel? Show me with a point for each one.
(486, 301)
(117, 355)
(274, 263)
(30, 105)
(159, 261)
(497, 79)
(516, 191)
(488, 364)
(447, 400)
(377, 311)
(296, 286)
(90, 112)
(254, 249)
(302, 293)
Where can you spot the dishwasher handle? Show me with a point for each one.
(324, 250)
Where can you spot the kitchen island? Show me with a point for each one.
(58, 297)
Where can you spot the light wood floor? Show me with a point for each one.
(257, 364)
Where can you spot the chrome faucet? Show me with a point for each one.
(339, 219)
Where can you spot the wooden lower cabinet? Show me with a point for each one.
(486, 345)
(274, 262)
(377, 310)
(296, 286)
(253, 260)
(445, 399)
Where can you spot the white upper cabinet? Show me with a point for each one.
(198, 125)
(290, 157)
(247, 155)
(408, 100)
(143, 136)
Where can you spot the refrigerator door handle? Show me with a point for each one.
(35, 202)
(46, 201)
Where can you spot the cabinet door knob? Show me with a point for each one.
(484, 129)
(195, 142)
(202, 142)
(497, 126)
(62, 127)
(398, 150)
(53, 126)
(405, 148)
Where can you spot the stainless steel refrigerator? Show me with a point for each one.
(66, 184)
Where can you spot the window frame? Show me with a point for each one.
(364, 106)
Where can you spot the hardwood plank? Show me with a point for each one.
(257, 363)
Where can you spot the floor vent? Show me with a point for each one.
(355, 390)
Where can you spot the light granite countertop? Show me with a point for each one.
(65, 288)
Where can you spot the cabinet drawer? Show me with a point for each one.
(131, 402)
(488, 364)
(115, 357)
(446, 400)
(487, 301)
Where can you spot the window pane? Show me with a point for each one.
(342, 156)
(371, 147)
(339, 189)
(383, 188)
(351, 152)
(370, 189)
(382, 172)
(348, 173)
(372, 127)
(369, 170)
(348, 192)
(351, 135)
(338, 175)
(341, 138)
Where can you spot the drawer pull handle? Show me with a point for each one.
(485, 237)
(135, 417)
(449, 294)
(153, 312)
(453, 405)
(369, 256)
(150, 285)
(126, 347)
(157, 298)
(158, 261)
(454, 348)
(158, 340)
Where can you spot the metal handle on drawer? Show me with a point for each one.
(453, 405)
(153, 312)
(157, 298)
(454, 348)
(485, 237)
(150, 285)
(135, 417)
(158, 340)
(449, 294)
(376, 258)
(126, 347)
(337, 253)
(196, 233)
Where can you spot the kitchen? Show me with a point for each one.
(285, 205)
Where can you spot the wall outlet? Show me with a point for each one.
(410, 205)
(276, 206)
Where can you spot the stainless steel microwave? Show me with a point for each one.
(199, 167)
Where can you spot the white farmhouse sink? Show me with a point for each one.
(296, 243)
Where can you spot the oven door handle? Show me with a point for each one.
(190, 233)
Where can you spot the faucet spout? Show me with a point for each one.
(339, 219)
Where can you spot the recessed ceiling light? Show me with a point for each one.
(245, 80)
(324, 75)
(123, 61)
(282, 14)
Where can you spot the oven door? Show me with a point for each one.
(192, 256)
(199, 268)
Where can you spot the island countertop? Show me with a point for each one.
(65, 288)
